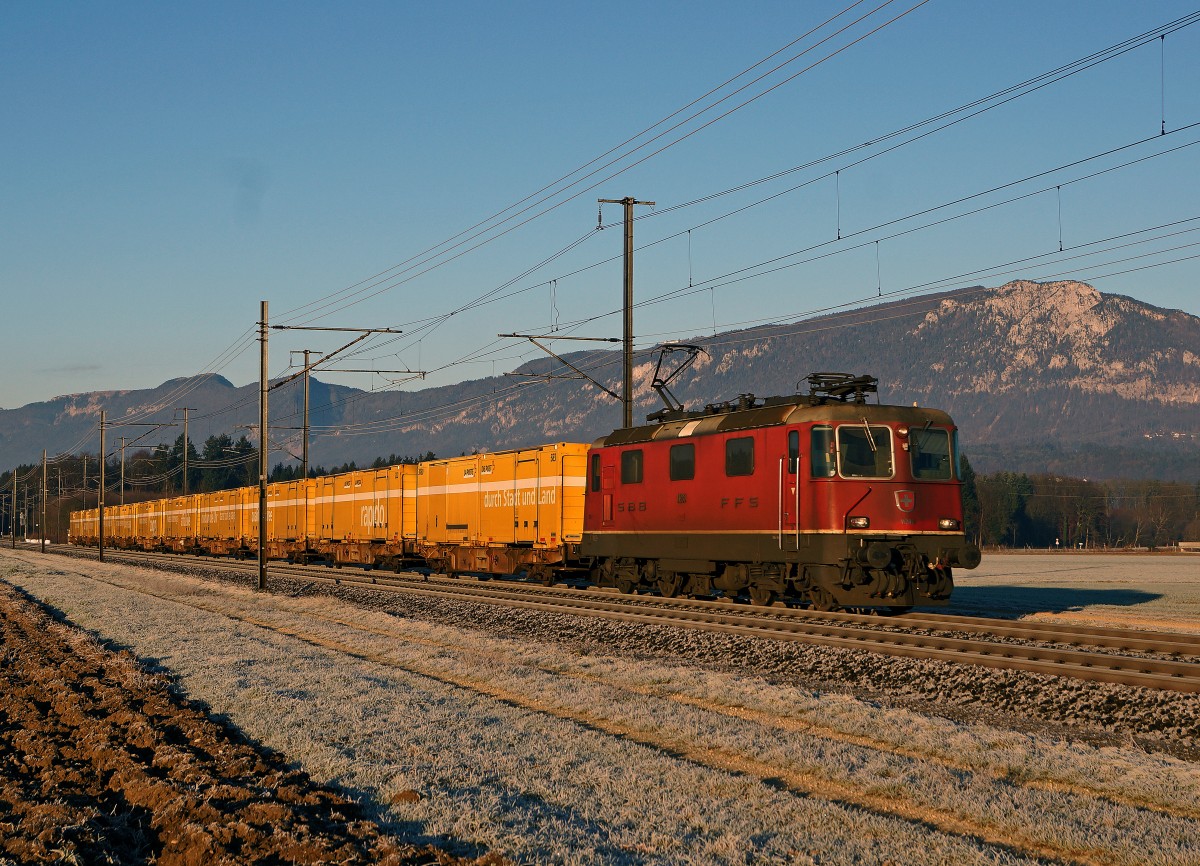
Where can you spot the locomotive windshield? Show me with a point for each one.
(864, 456)
(931, 455)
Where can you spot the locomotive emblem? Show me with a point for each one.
(905, 500)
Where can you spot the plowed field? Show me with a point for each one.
(101, 763)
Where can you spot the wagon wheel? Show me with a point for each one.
(761, 596)
(822, 599)
(669, 583)
(626, 585)
(543, 575)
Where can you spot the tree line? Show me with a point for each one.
(1018, 510)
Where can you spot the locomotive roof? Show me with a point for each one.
(771, 412)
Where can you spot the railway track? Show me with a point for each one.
(1054, 649)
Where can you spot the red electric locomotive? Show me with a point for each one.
(822, 498)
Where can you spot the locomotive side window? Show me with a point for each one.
(793, 451)
(631, 466)
(683, 462)
(739, 456)
(823, 456)
(595, 472)
(864, 456)
(930, 453)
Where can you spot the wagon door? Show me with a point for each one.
(573, 484)
(432, 500)
(308, 489)
(325, 498)
(527, 490)
(381, 496)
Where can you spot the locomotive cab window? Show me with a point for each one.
(739, 456)
(930, 453)
(631, 467)
(595, 472)
(683, 462)
(823, 455)
(864, 452)
(793, 451)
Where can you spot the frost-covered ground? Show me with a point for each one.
(1125, 590)
(562, 751)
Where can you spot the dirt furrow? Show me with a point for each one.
(100, 762)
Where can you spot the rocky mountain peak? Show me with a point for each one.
(1031, 336)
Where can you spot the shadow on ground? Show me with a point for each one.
(1019, 600)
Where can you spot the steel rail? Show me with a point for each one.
(763, 623)
(1103, 667)
(1177, 643)
(1129, 640)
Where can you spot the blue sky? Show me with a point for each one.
(165, 167)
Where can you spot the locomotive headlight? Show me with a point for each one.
(859, 522)
(901, 432)
(949, 524)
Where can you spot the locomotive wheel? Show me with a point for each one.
(822, 599)
(626, 585)
(761, 596)
(669, 583)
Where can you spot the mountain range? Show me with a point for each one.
(1040, 377)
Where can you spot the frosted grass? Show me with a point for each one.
(1121, 590)
(549, 756)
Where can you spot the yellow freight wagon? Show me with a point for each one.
(85, 527)
(367, 515)
(503, 512)
(121, 524)
(118, 524)
(148, 523)
(222, 521)
(181, 521)
(291, 510)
